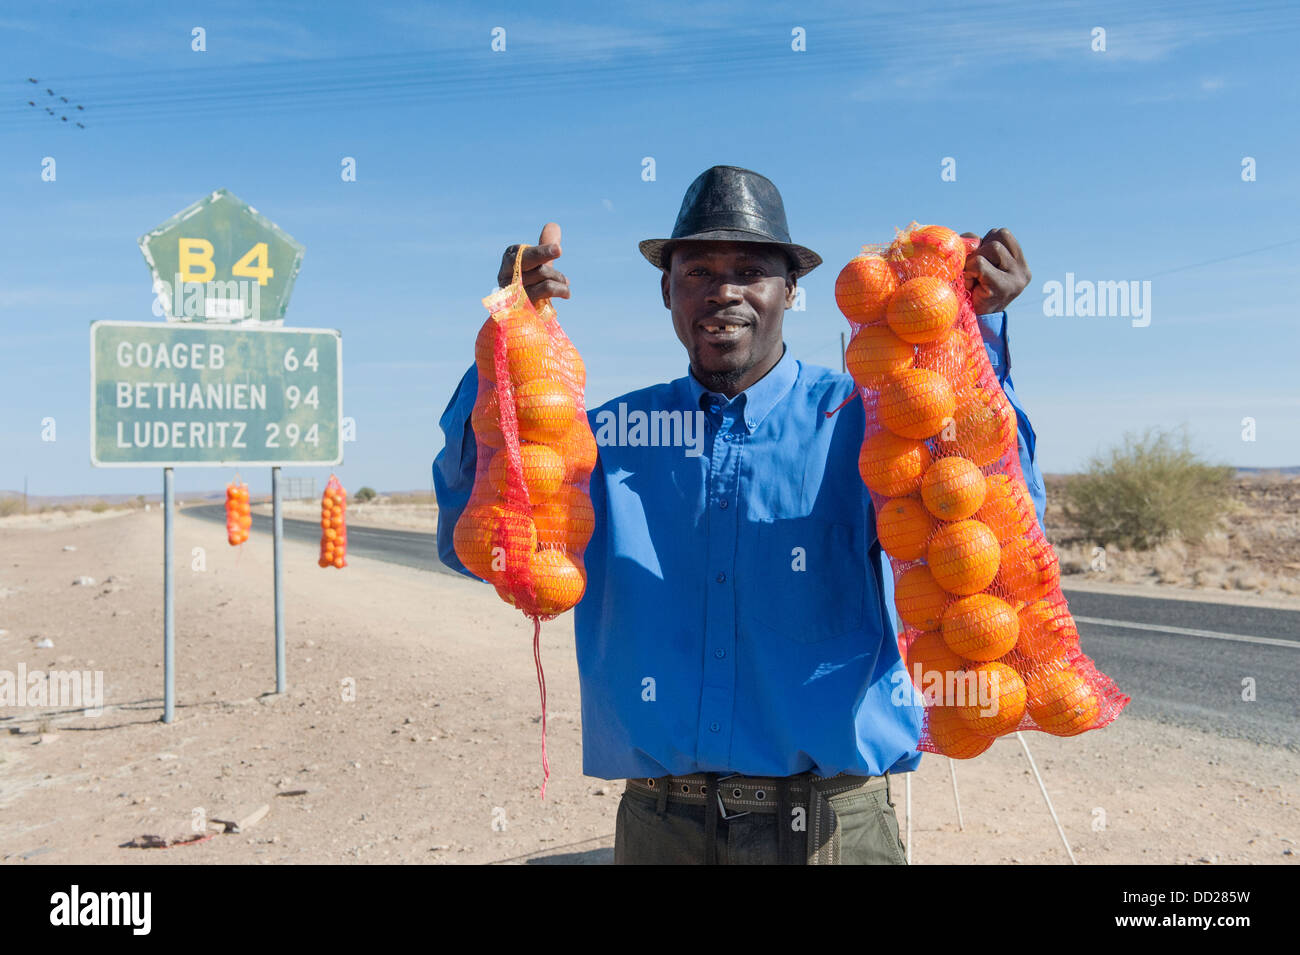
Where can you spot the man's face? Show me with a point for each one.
(728, 300)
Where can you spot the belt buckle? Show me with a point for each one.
(722, 808)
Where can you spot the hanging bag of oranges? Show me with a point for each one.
(239, 515)
(988, 639)
(333, 526)
(529, 516)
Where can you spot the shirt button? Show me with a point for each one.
(714, 727)
(723, 504)
(719, 653)
(722, 578)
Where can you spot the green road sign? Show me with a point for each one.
(220, 260)
(167, 395)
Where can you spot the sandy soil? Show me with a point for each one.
(54, 518)
(437, 759)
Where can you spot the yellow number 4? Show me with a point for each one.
(255, 265)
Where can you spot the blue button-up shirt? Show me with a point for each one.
(739, 614)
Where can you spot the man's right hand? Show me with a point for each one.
(541, 279)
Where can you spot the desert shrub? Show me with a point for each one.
(1146, 489)
(365, 494)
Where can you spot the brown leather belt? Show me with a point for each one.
(738, 795)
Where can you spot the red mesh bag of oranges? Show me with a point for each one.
(239, 514)
(529, 516)
(987, 637)
(333, 525)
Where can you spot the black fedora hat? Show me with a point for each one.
(727, 203)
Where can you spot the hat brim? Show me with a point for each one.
(805, 259)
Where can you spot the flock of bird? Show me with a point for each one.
(57, 113)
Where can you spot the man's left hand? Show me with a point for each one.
(996, 272)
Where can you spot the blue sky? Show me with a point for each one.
(1120, 165)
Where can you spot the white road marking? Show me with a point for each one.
(1185, 632)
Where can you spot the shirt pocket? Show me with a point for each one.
(807, 582)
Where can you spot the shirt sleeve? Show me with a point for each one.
(993, 328)
(454, 467)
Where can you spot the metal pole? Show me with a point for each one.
(169, 603)
(952, 768)
(277, 521)
(1047, 799)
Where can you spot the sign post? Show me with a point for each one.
(169, 602)
(173, 394)
(277, 521)
(220, 382)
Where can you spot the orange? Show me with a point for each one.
(863, 288)
(546, 410)
(488, 534)
(543, 471)
(891, 465)
(953, 489)
(915, 403)
(571, 362)
(1062, 703)
(980, 627)
(930, 250)
(950, 736)
(528, 348)
(1046, 632)
(1028, 569)
(929, 659)
(565, 521)
(578, 448)
(947, 356)
(486, 418)
(979, 432)
(922, 310)
(963, 556)
(1001, 704)
(919, 599)
(875, 353)
(1007, 509)
(558, 581)
(903, 526)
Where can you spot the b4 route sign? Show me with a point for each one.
(176, 395)
(220, 260)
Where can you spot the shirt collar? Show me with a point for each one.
(756, 401)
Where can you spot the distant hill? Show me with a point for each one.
(1292, 471)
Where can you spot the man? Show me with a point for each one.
(736, 647)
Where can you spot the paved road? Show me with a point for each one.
(412, 548)
(1183, 662)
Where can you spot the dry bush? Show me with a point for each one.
(1146, 490)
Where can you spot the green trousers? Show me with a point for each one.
(850, 828)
